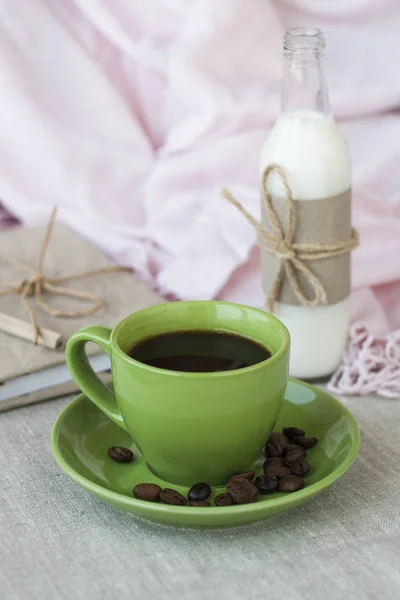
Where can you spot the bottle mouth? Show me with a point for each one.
(304, 41)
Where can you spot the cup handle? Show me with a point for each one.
(84, 375)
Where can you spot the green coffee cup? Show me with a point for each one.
(190, 427)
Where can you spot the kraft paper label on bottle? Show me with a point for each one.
(325, 221)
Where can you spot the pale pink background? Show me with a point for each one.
(131, 115)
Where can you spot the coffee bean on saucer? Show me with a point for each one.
(305, 465)
(290, 447)
(119, 454)
(296, 469)
(290, 483)
(301, 468)
(294, 456)
(199, 503)
(304, 442)
(224, 500)
(277, 471)
(247, 475)
(292, 432)
(169, 496)
(147, 491)
(199, 492)
(266, 484)
(242, 491)
(278, 438)
(277, 461)
(272, 449)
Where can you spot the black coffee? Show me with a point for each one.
(199, 351)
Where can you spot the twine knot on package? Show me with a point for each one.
(38, 285)
(292, 256)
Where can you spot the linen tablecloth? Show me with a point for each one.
(58, 542)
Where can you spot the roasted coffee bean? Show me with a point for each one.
(294, 456)
(147, 491)
(290, 483)
(272, 449)
(290, 447)
(305, 442)
(119, 454)
(273, 462)
(169, 496)
(224, 500)
(301, 468)
(292, 432)
(278, 438)
(296, 469)
(305, 465)
(199, 503)
(266, 484)
(247, 475)
(242, 491)
(199, 492)
(277, 471)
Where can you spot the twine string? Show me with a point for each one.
(291, 255)
(37, 285)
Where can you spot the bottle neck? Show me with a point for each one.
(304, 86)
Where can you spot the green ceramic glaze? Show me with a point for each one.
(190, 426)
(82, 434)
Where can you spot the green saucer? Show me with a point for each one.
(82, 435)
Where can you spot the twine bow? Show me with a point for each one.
(36, 283)
(292, 255)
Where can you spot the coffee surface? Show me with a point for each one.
(199, 351)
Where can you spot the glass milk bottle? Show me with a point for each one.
(306, 143)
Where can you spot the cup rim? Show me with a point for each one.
(205, 375)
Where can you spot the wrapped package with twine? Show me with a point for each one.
(67, 253)
(114, 293)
